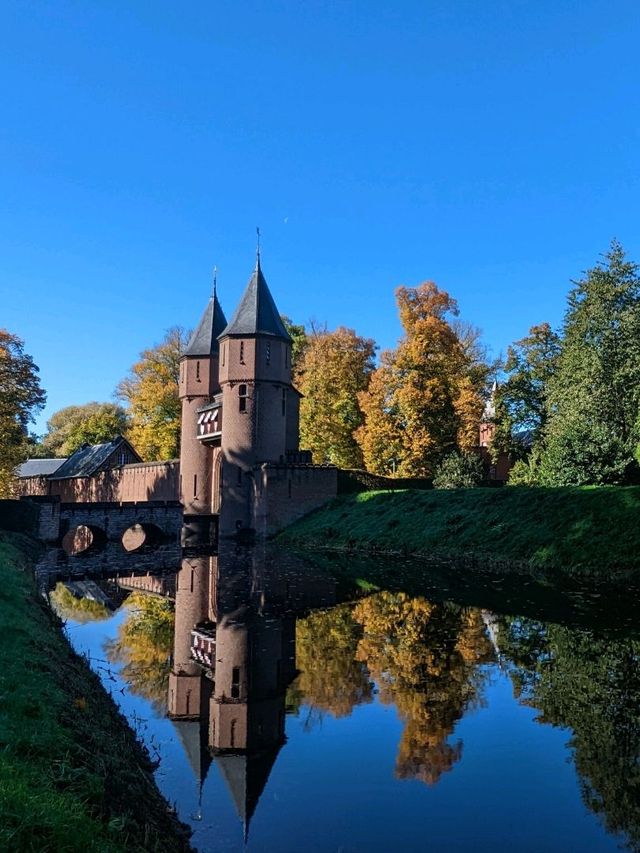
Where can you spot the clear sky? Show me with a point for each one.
(490, 146)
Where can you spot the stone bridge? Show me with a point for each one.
(96, 539)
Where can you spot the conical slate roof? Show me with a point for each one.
(204, 340)
(245, 777)
(257, 313)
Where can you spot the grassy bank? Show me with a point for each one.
(588, 531)
(72, 775)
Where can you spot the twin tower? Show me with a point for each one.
(240, 419)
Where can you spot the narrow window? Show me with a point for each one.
(268, 352)
(242, 398)
(233, 734)
(197, 371)
(241, 352)
(224, 347)
(235, 682)
(195, 485)
(284, 402)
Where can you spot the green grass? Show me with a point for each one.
(72, 775)
(589, 531)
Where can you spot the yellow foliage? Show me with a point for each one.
(151, 391)
(426, 398)
(331, 370)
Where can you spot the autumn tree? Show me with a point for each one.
(20, 398)
(425, 659)
(333, 369)
(426, 398)
(143, 647)
(151, 392)
(71, 427)
(331, 680)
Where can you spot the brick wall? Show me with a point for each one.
(285, 493)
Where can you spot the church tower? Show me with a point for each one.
(259, 403)
(198, 385)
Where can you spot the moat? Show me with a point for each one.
(291, 708)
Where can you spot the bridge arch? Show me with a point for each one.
(142, 536)
(83, 539)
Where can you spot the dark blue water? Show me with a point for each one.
(327, 720)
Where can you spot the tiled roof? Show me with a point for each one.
(86, 460)
(39, 467)
(257, 313)
(204, 340)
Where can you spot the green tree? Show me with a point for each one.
(586, 681)
(151, 392)
(593, 433)
(521, 402)
(459, 471)
(333, 369)
(71, 427)
(20, 398)
(299, 338)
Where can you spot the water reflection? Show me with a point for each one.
(590, 684)
(234, 658)
(243, 648)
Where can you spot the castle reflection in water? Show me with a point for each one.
(233, 659)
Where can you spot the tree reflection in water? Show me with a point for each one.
(590, 684)
(425, 658)
(143, 647)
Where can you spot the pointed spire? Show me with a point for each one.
(257, 313)
(204, 340)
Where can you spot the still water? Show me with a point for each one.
(293, 709)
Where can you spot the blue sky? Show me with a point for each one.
(490, 146)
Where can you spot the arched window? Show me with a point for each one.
(242, 398)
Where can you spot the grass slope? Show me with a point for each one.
(582, 530)
(72, 775)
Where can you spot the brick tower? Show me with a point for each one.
(259, 403)
(198, 385)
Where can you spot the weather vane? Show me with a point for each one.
(215, 281)
(258, 246)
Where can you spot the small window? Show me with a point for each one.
(242, 398)
(197, 371)
(284, 402)
(268, 351)
(235, 682)
(224, 347)
(241, 352)
(233, 734)
(195, 485)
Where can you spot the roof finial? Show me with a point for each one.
(215, 282)
(258, 246)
